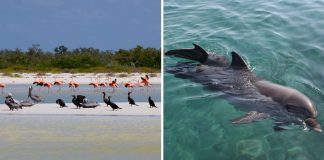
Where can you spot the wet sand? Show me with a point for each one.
(55, 137)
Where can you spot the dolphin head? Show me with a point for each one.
(311, 122)
(300, 104)
(294, 101)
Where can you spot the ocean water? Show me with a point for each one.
(283, 42)
(39, 137)
(20, 92)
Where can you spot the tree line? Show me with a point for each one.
(61, 59)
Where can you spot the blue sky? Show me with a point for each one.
(103, 24)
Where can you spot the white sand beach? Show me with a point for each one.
(102, 110)
(82, 78)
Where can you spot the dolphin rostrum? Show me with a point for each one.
(247, 92)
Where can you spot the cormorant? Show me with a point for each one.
(110, 103)
(131, 100)
(152, 104)
(78, 100)
(61, 103)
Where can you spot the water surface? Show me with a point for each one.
(281, 40)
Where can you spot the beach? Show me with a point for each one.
(39, 137)
(46, 131)
(82, 78)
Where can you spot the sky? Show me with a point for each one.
(102, 24)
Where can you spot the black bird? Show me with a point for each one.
(61, 103)
(105, 99)
(9, 101)
(112, 104)
(78, 100)
(23, 103)
(34, 97)
(131, 100)
(26, 103)
(89, 104)
(152, 104)
(11, 105)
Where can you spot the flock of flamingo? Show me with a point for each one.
(144, 82)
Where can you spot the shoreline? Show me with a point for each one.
(102, 110)
(82, 78)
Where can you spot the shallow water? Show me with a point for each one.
(20, 92)
(80, 137)
(283, 43)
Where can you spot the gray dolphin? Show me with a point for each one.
(246, 91)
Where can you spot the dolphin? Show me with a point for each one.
(261, 99)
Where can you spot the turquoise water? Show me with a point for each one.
(40, 137)
(283, 42)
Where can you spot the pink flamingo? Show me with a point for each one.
(73, 84)
(140, 84)
(113, 84)
(39, 82)
(36, 81)
(58, 83)
(103, 84)
(48, 85)
(146, 80)
(94, 84)
(129, 84)
(2, 85)
(76, 85)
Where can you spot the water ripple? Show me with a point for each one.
(283, 42)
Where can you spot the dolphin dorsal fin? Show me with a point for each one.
(196, 53)
(201, 55)
(201, 50)
(238, 62)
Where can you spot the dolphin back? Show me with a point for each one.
(196, 54)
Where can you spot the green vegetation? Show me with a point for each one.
(62, 59)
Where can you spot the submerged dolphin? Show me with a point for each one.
(259, 97)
